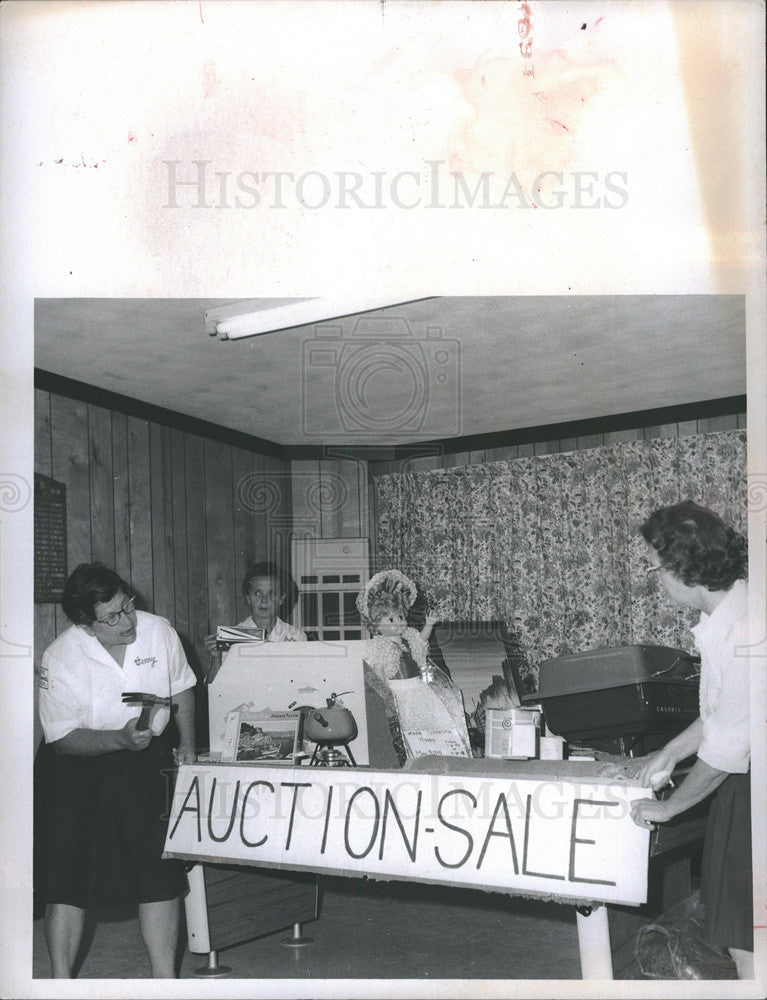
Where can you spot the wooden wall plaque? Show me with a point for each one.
(50, 539)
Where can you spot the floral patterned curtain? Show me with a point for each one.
(550, 544)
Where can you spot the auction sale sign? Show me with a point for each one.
(540, 837)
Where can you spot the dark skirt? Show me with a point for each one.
(100, 825)
(726, 871)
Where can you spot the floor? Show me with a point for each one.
(373, 930)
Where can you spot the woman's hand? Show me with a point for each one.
(185, 754)
(131, 738)
(655, 770)
(211, 647)
(648, 812)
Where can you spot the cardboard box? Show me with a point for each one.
(509, 734)
(551, 748)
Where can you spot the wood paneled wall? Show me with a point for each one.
(330, 498)
(179, 516)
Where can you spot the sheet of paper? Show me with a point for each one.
(191, 150)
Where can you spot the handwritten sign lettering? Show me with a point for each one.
(519, 836)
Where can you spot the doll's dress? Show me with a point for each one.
(394, 661)
(389, 666)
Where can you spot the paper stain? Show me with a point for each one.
(715, 90)
(211, 78)
(470, 109)
(206, 152)
(82, 162)
(526, 124)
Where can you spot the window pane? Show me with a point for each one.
(351, 615)
(309, 609)
(330, 609)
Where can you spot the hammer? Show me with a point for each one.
(147, 701)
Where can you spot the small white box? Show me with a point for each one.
(505, 737)
(525, 716)
(551, 748)
(524, 740)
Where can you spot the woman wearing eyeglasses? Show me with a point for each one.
(701, 563)
(103, 783)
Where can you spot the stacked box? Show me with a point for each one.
(512, 732)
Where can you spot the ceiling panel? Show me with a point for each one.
(434, 368)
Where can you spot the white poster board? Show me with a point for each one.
(281, 676)
(570, 839)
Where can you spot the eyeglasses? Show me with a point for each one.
(111, 620)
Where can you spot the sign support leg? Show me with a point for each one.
(213, 969)
(594, 942)
(298, 939)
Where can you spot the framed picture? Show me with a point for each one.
(253, 736)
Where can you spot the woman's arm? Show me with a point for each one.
(92, 742)
(663, 762)
(187, 750)
(701, 781)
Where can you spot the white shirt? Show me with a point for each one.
(282, 632)
(724, 683)
(81, 684)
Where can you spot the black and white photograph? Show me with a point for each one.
(384, 381)
(266, 739)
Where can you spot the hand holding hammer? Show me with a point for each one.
(147, 702)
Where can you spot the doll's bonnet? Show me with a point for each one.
(389, 583)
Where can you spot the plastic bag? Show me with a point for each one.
(676, 947)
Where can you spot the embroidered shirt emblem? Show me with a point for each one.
(141, 661)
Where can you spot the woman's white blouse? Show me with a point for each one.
(722, 639)
(282, 631)
(81, 685)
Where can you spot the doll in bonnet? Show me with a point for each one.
(396, 656)
(396, 651)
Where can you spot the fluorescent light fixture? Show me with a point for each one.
(245, 319)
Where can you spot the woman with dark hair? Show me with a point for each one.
(268, 589)
(701, 563)
(104, 789)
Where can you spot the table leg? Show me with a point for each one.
(213, 969)
(298, 939)
(594, 942)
